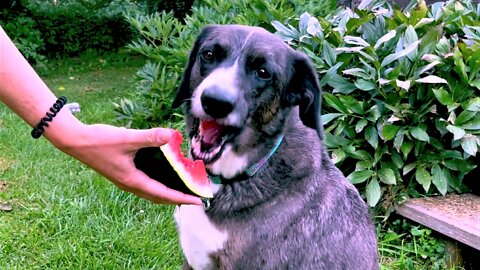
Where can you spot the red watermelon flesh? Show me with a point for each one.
(170, 167)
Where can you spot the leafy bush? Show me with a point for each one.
(401, 94)
(179, 8)
(69, 28)
(166, 41)
(57, 29)
(24, 34)
(27, 39)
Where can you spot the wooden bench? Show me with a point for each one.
(456, 216)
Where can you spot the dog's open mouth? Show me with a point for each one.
(209, 139)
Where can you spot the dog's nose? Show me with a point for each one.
(217, 102)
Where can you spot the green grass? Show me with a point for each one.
(66, 216)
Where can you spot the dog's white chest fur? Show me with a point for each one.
(198, 236)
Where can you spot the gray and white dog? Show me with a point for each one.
(253, 117)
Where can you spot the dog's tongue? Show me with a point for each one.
(210, 131)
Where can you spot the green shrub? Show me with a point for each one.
(166, 41)
(179, 8)
(24, 34)
(69, 28)
(401, 94)
(27, 38)
(66, 28)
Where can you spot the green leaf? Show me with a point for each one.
(357, 72)
(393, 57)
(403, 84)
(423, 177)
(338, 155)
(473, 104)
(331, 72)
(460, 165)
(431, 79)
(371, 135)
(469, 145)
(379, 152)
(430, 40)
(418, 12)
(460, 66)
(358, 177)
(406, 147)
(408, 168)
(354, 23)
(419, 134)
(443, 97)
(458, 133)
(285, 33)
(464, 117)
(361, 155)
(303, 23)
(360, 125)
(397, 143)
(364, 85)
(335, 103)
(341, 85)
(439, 179)
(352, 104)
(363, 165)
(374, 113)
(326, 118)
(475, 83)
(448, 154)
(329, 54)
(389, 132)
(352, 40)
(373, 192)
(314, 28)
(332, 141)
(388, 36)
(426, 68)
(387, 176)
(397, 160)
(410, 37)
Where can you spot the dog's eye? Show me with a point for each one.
(263, 74)
(207, 56)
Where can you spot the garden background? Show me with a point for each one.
(400, 112)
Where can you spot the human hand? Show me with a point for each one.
(110, 151)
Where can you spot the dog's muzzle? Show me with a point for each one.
(217, 102)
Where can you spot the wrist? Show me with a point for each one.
(64, 130)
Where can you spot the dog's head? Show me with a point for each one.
(240, 85)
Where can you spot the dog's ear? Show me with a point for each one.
(304, 90)
(184, 91)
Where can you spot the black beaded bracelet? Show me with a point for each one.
(57, 106)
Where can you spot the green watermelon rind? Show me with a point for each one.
(203, 188)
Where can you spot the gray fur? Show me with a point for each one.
(298, 211)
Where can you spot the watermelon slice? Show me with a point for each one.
(169, 166)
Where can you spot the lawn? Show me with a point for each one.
(66, 216)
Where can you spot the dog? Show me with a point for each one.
(253, 117)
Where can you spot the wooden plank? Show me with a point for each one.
(457, 216)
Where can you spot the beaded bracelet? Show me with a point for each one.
(57, 106)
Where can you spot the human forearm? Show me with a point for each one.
(107, 149)
(23, 91)
(21, 88)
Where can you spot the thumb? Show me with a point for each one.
(153, 137)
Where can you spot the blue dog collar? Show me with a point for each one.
(255, 167)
